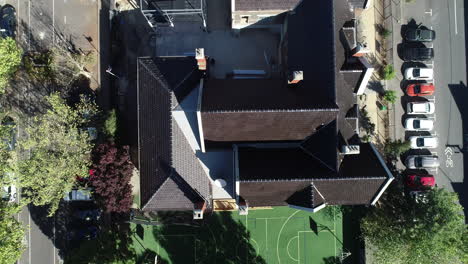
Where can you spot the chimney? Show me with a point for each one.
(350, 149)
(201, 59)
(360, 50)
(199, 209)
(295, 77)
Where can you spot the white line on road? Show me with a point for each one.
(429, 12)
(29, 24)
(455, 13)
(29, 240)
(53, 22)
(65, 19)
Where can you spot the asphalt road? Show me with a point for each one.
(41, 25)
(446, 17)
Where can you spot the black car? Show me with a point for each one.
(7, 21)
(420, 34)
(418, 54)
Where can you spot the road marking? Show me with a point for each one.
(29, 24)
(29, 240)
(448, 150)
(429, 12)
(65, 19)
(455, 13)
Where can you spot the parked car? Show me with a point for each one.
(416, 108)
(8, 192)
(422, 161)
(78, 195)
(422, 142)
(88, 215)
(420, 34)
(419, 73)
(417, 53)
(8, 21)
(10, 139)
(419, 124)
(420, 181)
(420, 89)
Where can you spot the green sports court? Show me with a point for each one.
(278, 235)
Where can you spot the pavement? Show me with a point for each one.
(41, 25)
(446, 17)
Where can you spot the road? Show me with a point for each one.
(446, 17)
(41, 25)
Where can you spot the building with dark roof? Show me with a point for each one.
(289, 139)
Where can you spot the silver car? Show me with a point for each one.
(422, 161)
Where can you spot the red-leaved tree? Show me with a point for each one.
(110, 177)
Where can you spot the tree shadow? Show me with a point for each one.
(332, 260)
(218, 239)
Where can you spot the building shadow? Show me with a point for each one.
(219, 239)
(460, 96)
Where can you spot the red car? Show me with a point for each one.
(420, 181)
(420, 89)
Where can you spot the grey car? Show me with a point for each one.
(420, 34)
(422, 161)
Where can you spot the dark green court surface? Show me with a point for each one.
(273, 236)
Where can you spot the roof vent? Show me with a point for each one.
(201, 59)
(197, 214)
(350, 149)
(295, 76)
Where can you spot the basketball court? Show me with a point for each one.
(279, 235)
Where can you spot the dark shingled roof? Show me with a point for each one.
(347, 191)
(263, 125)
(322, 145)
(257, 5)
(259, 163)
(270, 193)
(165, 156)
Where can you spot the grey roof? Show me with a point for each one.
(257, 5)
(271, 193)
(165, 156)
(357, 3)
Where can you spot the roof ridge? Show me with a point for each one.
(152, 73)
(337, 109)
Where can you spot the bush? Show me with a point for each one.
(110, 125)
(39, 65)
(110, 177)
(390, 96)
(397, 147)
(388, 72)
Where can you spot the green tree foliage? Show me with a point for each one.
(5, 151)
(397, 147)
(10, 60)
(58, 150)
(11, 234)
(404, 231)
(388, 72)
(390, 96)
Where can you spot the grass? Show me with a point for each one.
(279, 235)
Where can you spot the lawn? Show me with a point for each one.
(279, 235)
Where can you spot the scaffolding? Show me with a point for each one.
(165, 12)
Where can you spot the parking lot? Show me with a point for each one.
(446, 18)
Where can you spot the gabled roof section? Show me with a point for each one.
(322, 145)
(260, 5)
(270, 193)
(167, 163)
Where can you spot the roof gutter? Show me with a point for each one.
(313, 210)
(390, 175)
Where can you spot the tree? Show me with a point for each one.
(58, 150)
(402, 230)
(397, 147)
(10, 60)
(390, 96)
(11, 234)
(110, 124)
(110, 177)
(69, 64)
(388, 72)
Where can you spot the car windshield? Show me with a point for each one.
(418, 162)
(416, 124)
(420, 142)
(417, 89)
(416, 72)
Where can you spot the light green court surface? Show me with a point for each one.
(278, 236)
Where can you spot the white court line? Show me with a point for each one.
(279, 235)
(266, 234)
(334, 228)
(455, 13)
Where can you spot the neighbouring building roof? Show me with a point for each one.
(171, 175)
(259, 5)
(357, 3)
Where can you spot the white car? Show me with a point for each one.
(8, 191)
(419, 124)
(422, 161)
(417, 73)
(416, 108)
(421, 142)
